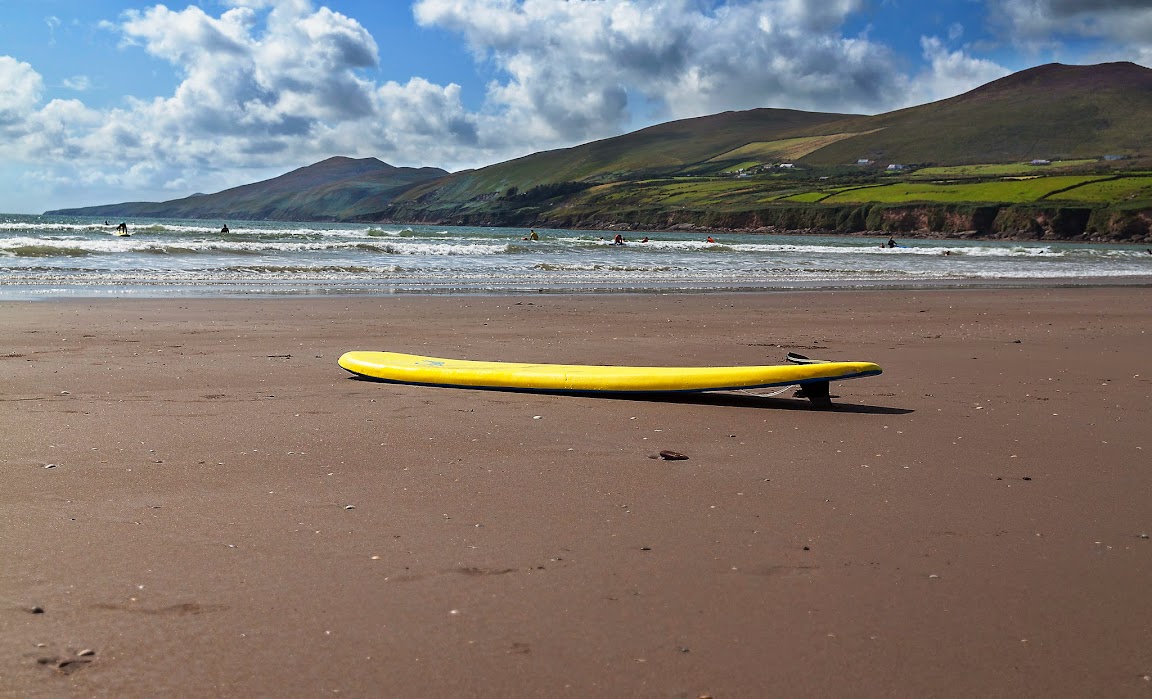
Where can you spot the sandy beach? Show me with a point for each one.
(198, 501)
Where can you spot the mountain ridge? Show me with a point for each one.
(333, 189)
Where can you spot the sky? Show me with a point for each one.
(106, 101)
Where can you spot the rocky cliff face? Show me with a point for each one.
(1015, 222)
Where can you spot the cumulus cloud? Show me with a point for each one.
(264, 84)
(572, 67)
(20, 90)
(949, 72)
(1047, 24)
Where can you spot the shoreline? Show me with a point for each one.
(313, 289)
(197, 494)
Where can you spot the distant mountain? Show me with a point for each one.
(335, 189)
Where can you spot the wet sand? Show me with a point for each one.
(199, 496)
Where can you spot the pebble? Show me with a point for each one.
(86, 652)
(50, 465)
(672, 456)
(349, 507)
(37, 610)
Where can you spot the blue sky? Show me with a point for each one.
(113, 100)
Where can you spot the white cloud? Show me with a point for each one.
(52, 22)
(79, 83)
(571, 66)
(1124, 25)
(949, 73)
(20, 90)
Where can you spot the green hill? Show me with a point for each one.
(691, 146)
(1052, 112)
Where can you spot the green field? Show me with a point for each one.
(730, 193)
(740, 166)
(1125, 189)
(1003, 191)
(783, 149)
(997, 169)
(805, 197)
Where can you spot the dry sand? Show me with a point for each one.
(229, 513)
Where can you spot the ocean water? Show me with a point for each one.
(61, 257)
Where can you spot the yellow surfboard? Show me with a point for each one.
(812, 375)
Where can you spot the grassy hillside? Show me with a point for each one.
(786, 149)
(1050, 112)
(696, 146)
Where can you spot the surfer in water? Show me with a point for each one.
(224, 229)
(618, 240)
(122, 229)
(891, 242)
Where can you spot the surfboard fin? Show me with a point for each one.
(801, 359)
(817, 392)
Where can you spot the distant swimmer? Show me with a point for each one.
(618, 240)
(533, 236)
(891, 242)
(644, 239)
(224, 229)
(710, 240)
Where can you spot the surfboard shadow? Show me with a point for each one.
(738, 400)
(716, 398)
